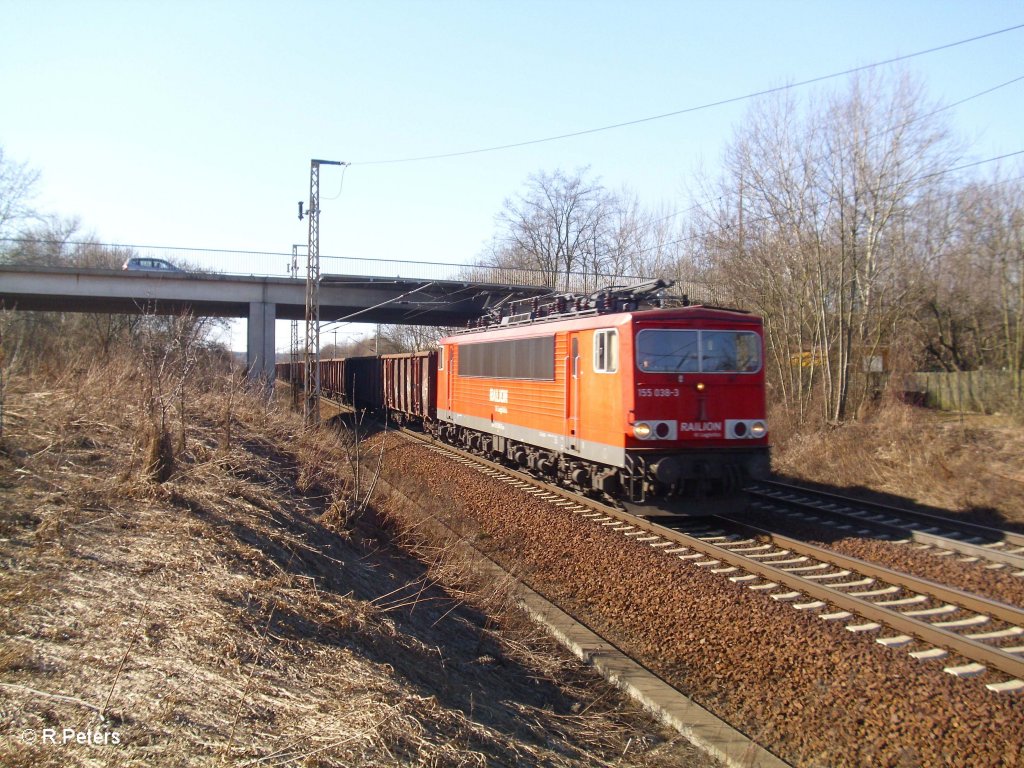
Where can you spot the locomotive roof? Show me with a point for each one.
(697, 312)
(583, 321)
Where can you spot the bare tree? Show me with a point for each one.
(972, 311)
(810, 227)
(17, 181)
(954, 316)
(409, 338)
(762, 236)
(558, 226)
(884, 149)
(1008, 255)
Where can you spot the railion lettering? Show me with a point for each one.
(700, 426)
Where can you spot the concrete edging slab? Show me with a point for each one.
(658, 698)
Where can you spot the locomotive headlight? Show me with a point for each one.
(642, 430)
(758, 429)
(700, 386)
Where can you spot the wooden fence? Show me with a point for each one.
(971, 391)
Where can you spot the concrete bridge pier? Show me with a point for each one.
(259, 353)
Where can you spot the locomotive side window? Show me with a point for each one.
(440, 359)
(671, 351)
(514, 359)
(606, 351)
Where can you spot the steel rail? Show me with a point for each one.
(981, 551)
(542, 489)
(967, 600)
(974, 650)
(991, 656)
(966, 548)
(1011, 538)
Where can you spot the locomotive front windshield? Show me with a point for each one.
(676, 351)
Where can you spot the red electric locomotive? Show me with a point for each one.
(658, 409)
(655, 408)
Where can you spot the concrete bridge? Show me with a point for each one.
(261, 300)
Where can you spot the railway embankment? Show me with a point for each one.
(214, 592)
(213, 595)
(809, 690)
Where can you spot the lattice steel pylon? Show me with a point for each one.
(293, 347)
(311, 389)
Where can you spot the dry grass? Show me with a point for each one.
(231, 612)
(966, 464)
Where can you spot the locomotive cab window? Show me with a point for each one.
(729, 351)
(440, 358)
(606, 351)
(660, 351)
(675, 351)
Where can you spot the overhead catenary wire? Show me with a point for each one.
(702, 204)
(689, 110)
(867, 139)
(341, 184)
(758, 219)
(383, 303)
(722, 102)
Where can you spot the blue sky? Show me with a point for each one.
(192, 123)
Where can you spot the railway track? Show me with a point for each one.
(659, 696)
(999, 549)
(930, 621)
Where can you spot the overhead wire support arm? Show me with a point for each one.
(311, 389)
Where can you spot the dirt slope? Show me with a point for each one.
(228, 616)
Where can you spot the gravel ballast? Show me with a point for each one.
(808, 690)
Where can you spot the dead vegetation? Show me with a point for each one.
(209, 597)
(967, 464)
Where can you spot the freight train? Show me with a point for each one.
(657, 409)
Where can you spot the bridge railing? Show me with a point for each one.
(278, 264)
